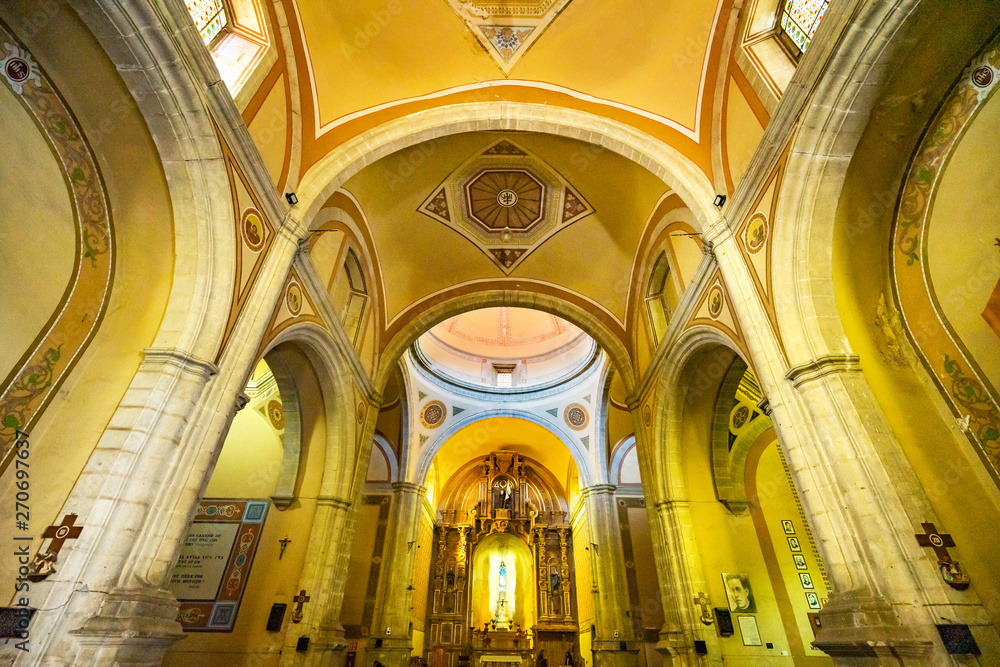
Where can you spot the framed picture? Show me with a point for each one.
(793, 544)
(807, 581)
(787, 526)
(748, 630)
(739, 592)
(813, 601)
(800, 561)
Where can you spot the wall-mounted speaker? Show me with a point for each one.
(700, 647)
(303, 645)
(276, 617)
(958, 640)
(723, 621)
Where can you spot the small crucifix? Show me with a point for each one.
(950, 571)
(702, 600)
(299, 600)
(284, 545)
(44, 564)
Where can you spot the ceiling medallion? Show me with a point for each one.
(507, 202)
(506, 30)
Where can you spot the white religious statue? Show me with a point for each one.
(501, 621)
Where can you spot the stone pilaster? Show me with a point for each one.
(389, 642)
(323, 578)
(611, 600)
(858, 489)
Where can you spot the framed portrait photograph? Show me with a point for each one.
(739, 592)
(807, 581)
(800, 561)
(793, 544)
(813, 601)
(787, 526)
(749, 631)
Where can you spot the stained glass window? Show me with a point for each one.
(209, 16)
(800, 19)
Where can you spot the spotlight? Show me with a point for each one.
(293, 200)
(719, 200)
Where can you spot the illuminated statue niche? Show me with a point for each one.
(501, 602)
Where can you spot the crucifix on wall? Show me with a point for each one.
(950, 571)
(299, 600)
(44, 564)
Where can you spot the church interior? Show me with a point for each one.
(647, 333)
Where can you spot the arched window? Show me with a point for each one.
(798, 21)
(236, 33)
(211, 17)
(357, 296)
(657, 306)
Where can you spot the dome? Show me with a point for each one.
(505, 348)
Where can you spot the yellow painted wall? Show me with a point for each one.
(962, 255)
(271, 580)
(70, 427)
(743, 131)
(583, 566)
(727, 544)
(943, 460)
(37, 229)
(269, 129)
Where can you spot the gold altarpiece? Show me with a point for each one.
(502, 510)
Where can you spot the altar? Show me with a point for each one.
(501, 648)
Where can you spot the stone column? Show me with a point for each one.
(611, 600)
(859, 491)
(678, 563)
(109, 603)
(323, 575)
(389, 643)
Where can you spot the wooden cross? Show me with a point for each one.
(936, 541)
(702, 600)
(59, 534)
(284, 545)
(299, 600)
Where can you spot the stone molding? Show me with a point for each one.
(157, 357)
(822, 366)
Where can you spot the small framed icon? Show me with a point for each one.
(787, 526)
(793, 544)
(807, 581)
(813, 600)
(800, 561)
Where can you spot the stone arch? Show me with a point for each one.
(618, 454)
(430, 450)
(437, 308)
(335, 380)
(857, 66)
(291, 438)
(385, 447)
(685, 370)
(192, 161)
(666, 162)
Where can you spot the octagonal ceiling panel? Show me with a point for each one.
(507, 202)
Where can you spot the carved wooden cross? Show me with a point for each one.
(59, 534)
(702, 600)
(936, 541)
(299, 600)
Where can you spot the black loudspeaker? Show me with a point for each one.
(700, 647)
(723, 621)
(277, 617)
(958, 640)
(378, 643)
(14, 622)
(622, 646)
(303, 645)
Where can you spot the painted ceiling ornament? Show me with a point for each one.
(433, 414)
(253, 230)
(19, 68)
(716, 299)
(506, 30)
(276, 414)
(755, 234)
(576, 416)
(293, 298)
(507, 202)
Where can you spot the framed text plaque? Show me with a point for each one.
(214, 564)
